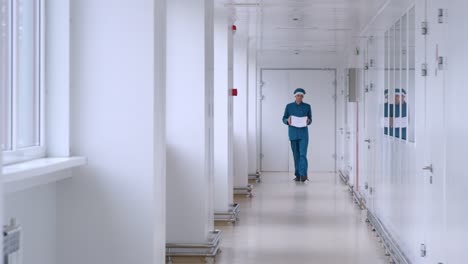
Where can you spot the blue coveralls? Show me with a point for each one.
(403, 115)
(299, 137)
(393, 111)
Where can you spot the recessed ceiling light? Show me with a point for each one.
(297, 28)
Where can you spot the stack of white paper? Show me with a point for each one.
(298, 121)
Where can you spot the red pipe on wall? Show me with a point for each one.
(357, 147)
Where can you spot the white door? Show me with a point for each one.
(372, 124)
(435, 119)
(278, 88)
(364, 124)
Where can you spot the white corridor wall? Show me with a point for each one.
(383, 169)
(417, 206)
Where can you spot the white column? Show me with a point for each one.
(112, 210)
(189, 121)
(223, 110)
(241, 108)
(252, 106)
(159, 144)
(1, 175)
(3, 57)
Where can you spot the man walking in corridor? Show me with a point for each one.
(298, 116)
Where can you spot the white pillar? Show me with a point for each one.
(3, 57)
(112, 210)
(252, 106)
(223, 110)
(159, 144)
(241, 108)
(1, 171)
(189, 121)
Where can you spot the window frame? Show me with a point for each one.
(394, 71)
(15, 154)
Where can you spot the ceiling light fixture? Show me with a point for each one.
(339, 29)
(242, 5)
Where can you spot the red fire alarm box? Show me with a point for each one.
(234, 92)
(234, 28)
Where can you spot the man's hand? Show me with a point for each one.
(289, 121)
(308, 121)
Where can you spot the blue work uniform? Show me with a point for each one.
(388, 111)
(299, 137)
(401, 120)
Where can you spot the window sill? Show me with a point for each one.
(22, 176)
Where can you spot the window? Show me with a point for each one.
(400, 78)
(21, 80)
(411, 74)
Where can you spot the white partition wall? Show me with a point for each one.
(223, 110)
(189, 121)
(112, 209)
(241, 162)
(411, 143)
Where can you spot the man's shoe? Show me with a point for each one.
(304, 178)
(297, 179)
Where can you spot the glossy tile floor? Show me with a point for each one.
(287, 222)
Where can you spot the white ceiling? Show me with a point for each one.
(305, 25)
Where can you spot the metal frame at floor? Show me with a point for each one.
(231, 216)
(391, 247)
(247, 190)
(208, 250)
(358, 199)
(356, 196)
(256, 177)
(344, 177)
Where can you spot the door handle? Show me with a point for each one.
(429, 168)
(368, 141)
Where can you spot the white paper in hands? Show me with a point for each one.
(298, 121)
